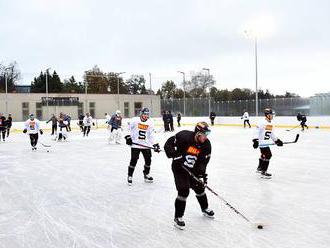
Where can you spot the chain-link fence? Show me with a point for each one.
(317, 105)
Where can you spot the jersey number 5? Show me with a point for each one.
(142, 134)
(267, 135)
(190, 161)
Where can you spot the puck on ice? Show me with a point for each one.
(47, 150)
(260, 227)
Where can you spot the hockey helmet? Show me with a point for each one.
(202, 128)
(118, 112)
(269, 111)
(145, 111)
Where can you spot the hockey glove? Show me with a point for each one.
(279, 142)
(156, 147)
(128, 140)
(25, 130)
(203, 179)
(41, 132)
(255, 143)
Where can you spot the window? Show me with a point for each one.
(137, 108)
(39, 110)
(80, 108)
(25, 110)
(92, 109)
(126, 109)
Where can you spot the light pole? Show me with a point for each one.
(117, 74)
(47, 91)
(208, 78)
(150, 92)
(6, 87)
(184, 92)
(86, 86)
(249, 34)
(256, 65)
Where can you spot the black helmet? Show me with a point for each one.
(145, 111)
(202, 127)
(268, 111)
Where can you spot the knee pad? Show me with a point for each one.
(183, 193)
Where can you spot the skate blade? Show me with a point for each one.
(129, 184)
(148, 181)
(179, 227)
(208, 216)
(264, 177)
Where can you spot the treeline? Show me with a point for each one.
(99, 82)
(200, 84)
(96, 81)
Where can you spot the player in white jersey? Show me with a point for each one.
(141, 140)
(88, 122)
(246, 119)
(107, 120)
(261, 139)
(32, 127)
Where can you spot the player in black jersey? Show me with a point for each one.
(9, 124)
(3, 127)
(303, 119)
(192, 150)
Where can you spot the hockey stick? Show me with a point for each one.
(44, 145)
(292, 128)
(284, 143)
(258, 225)
(150, 147)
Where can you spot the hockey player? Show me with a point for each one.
(246, 119)
(62, 128)
(32, 127)
(88, 122)
(264, 132)
(115, 127)
(107, 118)
(190, 150)
(81, 122)
(212, 117)
(3, 127)
(54, 121)
(140, 140)
(107, 122)
(9, 124)
(302, 118)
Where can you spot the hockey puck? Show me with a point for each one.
(47, 150)
(260, 227)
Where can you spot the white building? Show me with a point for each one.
(20, 105)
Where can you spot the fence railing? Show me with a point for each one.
(282, 106)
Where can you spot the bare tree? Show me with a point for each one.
(13, 75)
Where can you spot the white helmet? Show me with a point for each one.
(118, 112)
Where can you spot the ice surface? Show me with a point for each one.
(77, 195)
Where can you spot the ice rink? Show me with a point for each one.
(76, 195)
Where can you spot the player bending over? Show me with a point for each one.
(190, 150)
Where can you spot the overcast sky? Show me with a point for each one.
(164, 36)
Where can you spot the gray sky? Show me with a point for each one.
(164, 36)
